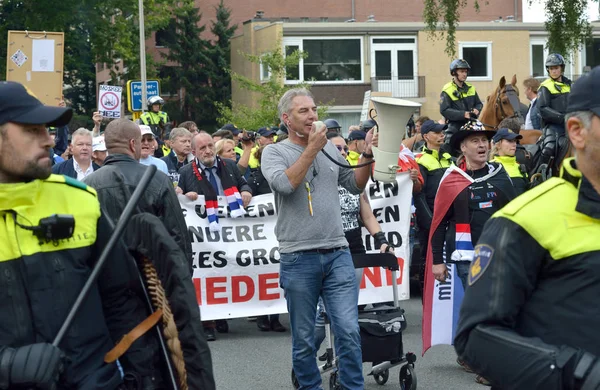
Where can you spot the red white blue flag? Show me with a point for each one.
(442, 300)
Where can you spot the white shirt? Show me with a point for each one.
(528, 123)
(160, 164)
(80, 173)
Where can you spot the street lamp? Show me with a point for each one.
(143, 56)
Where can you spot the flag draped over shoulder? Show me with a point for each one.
(442, 300)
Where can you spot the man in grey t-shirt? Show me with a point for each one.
(315, 259)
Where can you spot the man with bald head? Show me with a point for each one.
(121, 173)
(211, 176)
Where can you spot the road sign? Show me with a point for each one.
(134, 93)
(109, 101)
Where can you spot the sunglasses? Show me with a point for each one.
(340, 148)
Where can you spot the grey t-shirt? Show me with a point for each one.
(296, 229)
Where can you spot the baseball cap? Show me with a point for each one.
(356, 135)
(265, 132)
(231, 127)
(145, 129)
(506, 134)
(431, 125)
(98, 144)
(584, 93)
(19, 105)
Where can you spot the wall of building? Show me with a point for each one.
(257, 38)
(510, 55)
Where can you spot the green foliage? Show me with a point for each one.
(567, 25)
(95, 31)
(566, 22)
(190, 74)
(269, 91)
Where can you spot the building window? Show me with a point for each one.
(592, 54)
(162, 36)
(479, 57)
(327, 60)
(292, 73)
(167, 77)
(265, 72)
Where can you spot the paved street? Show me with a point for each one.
(248, 359)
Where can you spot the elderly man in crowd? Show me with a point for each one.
(146, 155)
(81, 165)
(98, 150)
(181, 148)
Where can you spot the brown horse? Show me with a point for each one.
(504, 103)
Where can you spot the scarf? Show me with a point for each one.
(234, 199)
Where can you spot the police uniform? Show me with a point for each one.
(157, 122)
(40, 279)
(454, 102)
(530, 310)
(516, 171)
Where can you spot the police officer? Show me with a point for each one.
(433, 165)
(552, 101)
(155, 118)
(333, 126)
(367, 125)
(459, 100)
(52, 232)
(529, 319)
(504, 152)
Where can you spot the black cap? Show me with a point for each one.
(367, 125)
(265, 132)
(231, 127)
(356, 135)
(19, 105)
(506, 134)
(431, 125)
(584, 93)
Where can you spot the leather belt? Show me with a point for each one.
(130, 337)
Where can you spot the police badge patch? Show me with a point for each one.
(482, 257)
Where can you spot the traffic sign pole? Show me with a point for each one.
(143, 56)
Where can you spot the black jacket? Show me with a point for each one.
(147, 237)
(455, 101)
(485, 198)
(173, 164)
(68, 169)
(258, 183)
(116, 181)
(189, 183)
(531, 306)
(39, 281)
(552, 101)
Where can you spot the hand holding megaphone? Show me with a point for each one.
(371, 140)
(317, 138)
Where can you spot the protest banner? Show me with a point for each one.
(236, 269)
(109, 101)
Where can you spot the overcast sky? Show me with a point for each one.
(535, 13)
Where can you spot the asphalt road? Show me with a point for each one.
(248, 359)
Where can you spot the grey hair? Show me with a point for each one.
(285, 103)
(584, 116)
(83, 132)
(179, 132)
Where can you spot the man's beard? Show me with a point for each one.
(35, 171)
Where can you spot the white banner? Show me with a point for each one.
(236, 269)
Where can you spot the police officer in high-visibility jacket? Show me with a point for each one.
(504, 152)
(459, 100)
(552, 101)
(530, 318)
(155, 118)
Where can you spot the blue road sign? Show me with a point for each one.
(134, 93)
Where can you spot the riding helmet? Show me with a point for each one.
(332, 124)
(155, 100)
(459, 63)
(368, 125)
(555, 59)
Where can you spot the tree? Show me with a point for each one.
(268, 91)
(220, 54)
(190, 54)
(95, 31)
(566, 22)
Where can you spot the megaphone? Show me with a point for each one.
(392, 116)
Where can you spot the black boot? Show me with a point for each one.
(262, 322)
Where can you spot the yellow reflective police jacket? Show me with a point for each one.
(552, 100)
(517, 174)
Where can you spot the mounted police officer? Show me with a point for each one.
(552, 102)
(155, 118)
(459, 100)
(529, 318)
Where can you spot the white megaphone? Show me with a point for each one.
(392, 116)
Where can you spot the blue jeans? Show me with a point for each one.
(304, 276)
(462, 270)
